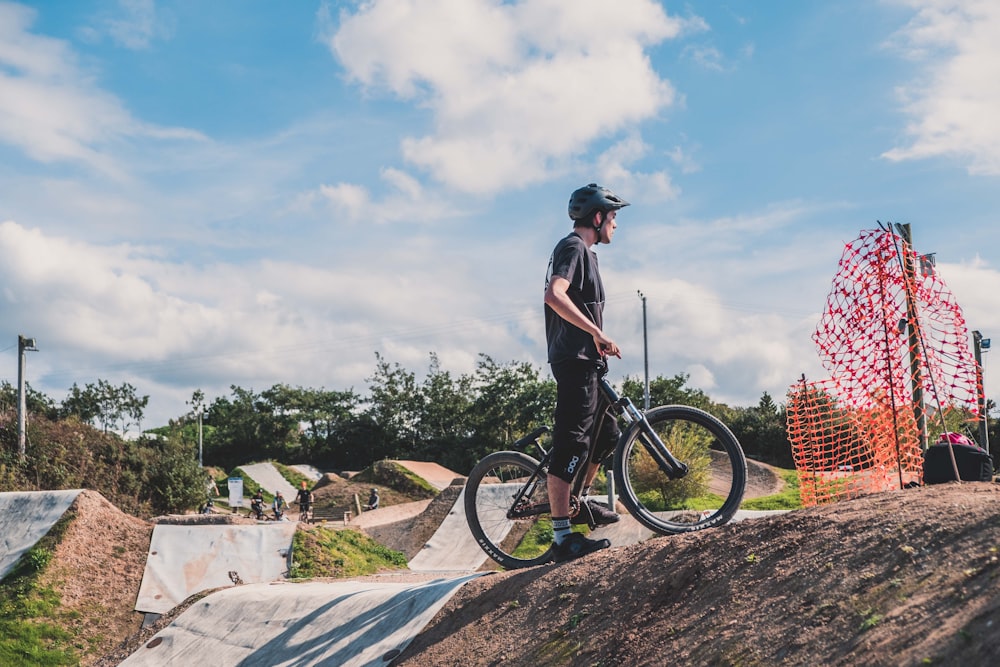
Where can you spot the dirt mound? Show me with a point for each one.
(329, 479)
(97, 568)
(410, 535)
(762, 480)
(900, 578)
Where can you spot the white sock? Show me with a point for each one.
(562, 528)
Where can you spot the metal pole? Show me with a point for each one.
(645, 351)
(21, 402)
(23, 345)
(200, 462)
(912, 316)
(984, 431)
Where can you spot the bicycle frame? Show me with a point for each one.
(623, 408)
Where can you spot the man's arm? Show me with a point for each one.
(557, 298)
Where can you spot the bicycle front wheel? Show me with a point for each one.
(707, 496)
(507, 508)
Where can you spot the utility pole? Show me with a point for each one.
(200, 462)
(645, 350)
(23, 345)
(980, 344)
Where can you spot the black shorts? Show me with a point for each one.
(578, 405)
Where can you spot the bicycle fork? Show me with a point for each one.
(624, 408)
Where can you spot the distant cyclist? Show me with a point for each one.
(257, 505)
(372, 500)
(305, 499)
(279, 506)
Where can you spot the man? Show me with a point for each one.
(577, 344)
(257, 504)
(372, 500)
(279, 505)
(305, 499)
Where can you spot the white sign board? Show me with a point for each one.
(236, 492)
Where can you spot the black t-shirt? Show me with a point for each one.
(577, 263)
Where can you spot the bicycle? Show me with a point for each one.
(677, 468)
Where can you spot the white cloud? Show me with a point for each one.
(50, 107)
(955, 102)
(406, 200)
(614, 168)
(732, 354)
(684, 159)
(707, 57)
(123, 312)
(511, 102)
(135, 26)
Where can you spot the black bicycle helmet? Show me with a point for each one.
(592, 197)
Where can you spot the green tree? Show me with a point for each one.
(322, 417)
(511, 400)
(761, 431)
(175, 481)
(395, 403)
(246, 428)
(105, 405)
(35, 401)
(446, 420)
(667, 391)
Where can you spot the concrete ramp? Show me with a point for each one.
(452, 548)
(309, 472)
(390, 514)
(348, 624)
(25, 518)
(187, 559)
(268, 477)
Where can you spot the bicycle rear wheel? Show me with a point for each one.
(507, 507)
(707, 496)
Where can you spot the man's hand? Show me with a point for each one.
(606, 346)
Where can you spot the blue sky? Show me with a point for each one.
(196, 195)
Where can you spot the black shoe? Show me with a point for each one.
(594, 514)
(575, 546)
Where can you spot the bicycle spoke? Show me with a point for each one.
(506, 505)
(708, 495)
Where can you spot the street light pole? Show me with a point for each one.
(23, 345)
(200, 461)
(645, 350)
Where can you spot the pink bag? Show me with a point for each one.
(955, 439)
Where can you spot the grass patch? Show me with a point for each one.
(324, 552)
(395, 476)
(294, 477)
(31, 630)
(539, 538)
(788, 499)
(536, 541)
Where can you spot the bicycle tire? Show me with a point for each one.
(707, 496)
(490, 492)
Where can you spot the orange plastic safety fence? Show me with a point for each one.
(896, 345)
